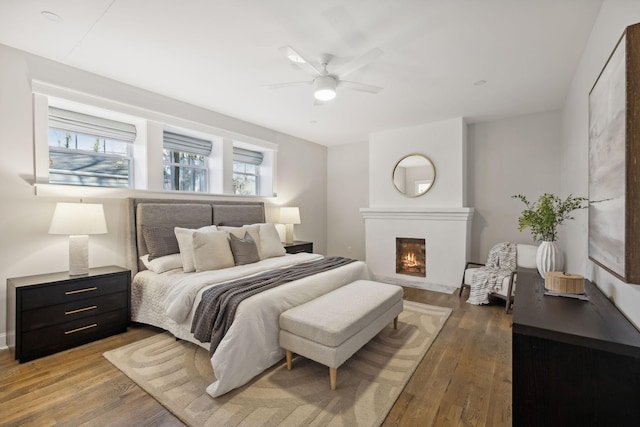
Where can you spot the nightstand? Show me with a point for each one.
(48, 313)
(298, 246)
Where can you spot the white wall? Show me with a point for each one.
(348, 191)
(504, 157)
(443, 142)
(612, 19)
(518, 155)
(24, 217)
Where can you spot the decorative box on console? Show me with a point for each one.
(557, 281)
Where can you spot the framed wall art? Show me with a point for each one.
(614, 161)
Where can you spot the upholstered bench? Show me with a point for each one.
(332, 327)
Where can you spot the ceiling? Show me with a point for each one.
(220, 55)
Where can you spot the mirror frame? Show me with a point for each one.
(433, 181)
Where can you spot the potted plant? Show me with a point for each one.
(543, 218)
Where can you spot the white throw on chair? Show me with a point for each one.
(525, 258)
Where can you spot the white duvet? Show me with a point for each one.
(168, 300)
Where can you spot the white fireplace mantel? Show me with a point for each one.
(435, 214)
(446, 231)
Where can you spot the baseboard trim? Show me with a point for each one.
(3, 341)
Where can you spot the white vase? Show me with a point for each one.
(548, 258)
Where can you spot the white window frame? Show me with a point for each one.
(184, 148)
(146, 151)
(266, 182)
(92, 126)
(253, 154)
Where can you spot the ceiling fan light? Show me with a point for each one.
(324, 88)
(324, 94)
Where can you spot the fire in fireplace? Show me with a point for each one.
(411, 256)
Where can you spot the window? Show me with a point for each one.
(246, 171)
(89, 150)
(185, 161)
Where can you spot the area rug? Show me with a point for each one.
(176, 374)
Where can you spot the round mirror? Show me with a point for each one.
(414, 175)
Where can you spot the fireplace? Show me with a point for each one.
(411, 256)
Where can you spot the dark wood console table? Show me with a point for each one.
(575, 363)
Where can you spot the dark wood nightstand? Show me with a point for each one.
(48, 313)
(298, 246)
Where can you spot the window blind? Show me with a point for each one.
(72, 121)
(188, 144)
(247, 156)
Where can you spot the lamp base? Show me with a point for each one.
(288, 237)
(78, 255)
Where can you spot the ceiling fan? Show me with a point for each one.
(325, 83)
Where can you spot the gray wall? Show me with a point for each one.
(348, 191)
(519, 155)
(613, 18)
(24, 216)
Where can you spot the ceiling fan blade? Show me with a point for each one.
(359, 62)
(359, 87)
(300, 61)
(289, 84)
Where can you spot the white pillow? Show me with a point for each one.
(270, 243)
(211, 250)
(163, 263)
(253, 230)
(185, 244)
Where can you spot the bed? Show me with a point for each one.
(166, 296)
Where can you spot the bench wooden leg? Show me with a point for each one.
(333, 373)
(289, 359)
(395, 323)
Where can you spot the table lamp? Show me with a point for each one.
(78, 220)
(289, 217)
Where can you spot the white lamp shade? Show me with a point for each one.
(78, 219)
(289, 216)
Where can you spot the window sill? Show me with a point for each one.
(59, 190)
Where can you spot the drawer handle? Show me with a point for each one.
(80, 291)
(80, 329)
(80, 310)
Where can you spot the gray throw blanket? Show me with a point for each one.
(215, 313)
(487, 279)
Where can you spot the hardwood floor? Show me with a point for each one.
(465, 379)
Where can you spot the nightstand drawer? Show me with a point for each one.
(74, 290)
(298, 246)
(61, 313)
(54, 338)
(50, 312)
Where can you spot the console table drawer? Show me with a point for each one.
(61, 313)
(78, 289)
(65, 335)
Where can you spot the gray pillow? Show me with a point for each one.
(245, 250)
(160, 240)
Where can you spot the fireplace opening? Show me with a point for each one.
(411, 256)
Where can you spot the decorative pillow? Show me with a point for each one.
(160, 240)
(245, 250)
(162, 264)
(270, 244)
(185, 243)
(253, 230)
(211, 250)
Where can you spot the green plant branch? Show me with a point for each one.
(544, 216)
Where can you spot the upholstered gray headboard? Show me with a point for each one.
(182, 213)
